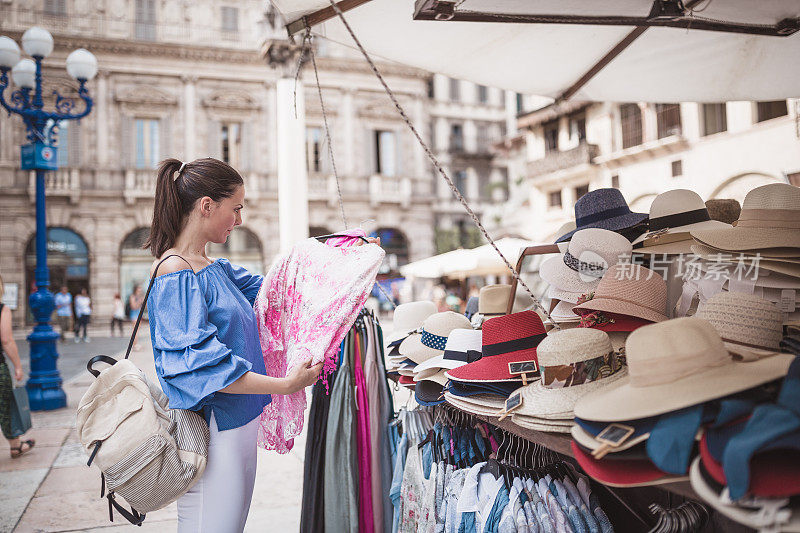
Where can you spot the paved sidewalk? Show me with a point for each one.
(51, 489)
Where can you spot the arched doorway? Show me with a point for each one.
(242, 248)
(317, 231)
(67, 259)
(738, 186)
(396, 246)
(134, 262)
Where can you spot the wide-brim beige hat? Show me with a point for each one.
(620, 307)
(407, 318)
(582, 437)
(630, 290)
(565, 296)
(787, 266)
(563, 312)
(770, 218)
(431, 342)
(493, 300)
(621, 401)
(431, 374)
(538, 424)
(540, 401)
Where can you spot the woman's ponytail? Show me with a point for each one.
(178, 186)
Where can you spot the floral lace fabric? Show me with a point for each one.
(308, 301)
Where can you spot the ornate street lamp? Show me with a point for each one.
(39, 154)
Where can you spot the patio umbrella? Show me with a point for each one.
(617, 50)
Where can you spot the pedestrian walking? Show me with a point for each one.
(83, 313)
(135, 302)
(63, 301)
(205, 336)
(119, 315)
(8, 350)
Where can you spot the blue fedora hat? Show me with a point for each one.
(603, 208)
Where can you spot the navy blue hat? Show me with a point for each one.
(605, 209)
(428, 393)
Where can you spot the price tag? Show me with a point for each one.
(788, 300)
(513, 402)
(612, 437)
(523, 368)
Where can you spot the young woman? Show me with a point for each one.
(83, 312)
(135, 301)
(8, 350)
(205, 338)
(119, 315)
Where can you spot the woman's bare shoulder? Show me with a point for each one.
(171, 264)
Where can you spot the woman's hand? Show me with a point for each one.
(18, 373)
(370, 240)
(303, 376)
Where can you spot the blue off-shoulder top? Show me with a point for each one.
(205, 337)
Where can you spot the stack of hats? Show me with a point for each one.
(749, 470)
(577, 272)
(407, 319)
(641, 430)
(765, 239)
(508, 357)
(492, 302)
(573, 363)
(606, 209)
(428, 343)
(673, 215)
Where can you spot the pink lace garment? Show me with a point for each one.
(307, 303)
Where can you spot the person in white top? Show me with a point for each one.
(119, 315)
(83, 312)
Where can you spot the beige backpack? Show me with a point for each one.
(147, 453)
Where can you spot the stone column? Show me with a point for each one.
(292, 174)
(189, 109)
(101, 117)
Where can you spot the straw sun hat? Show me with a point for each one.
(590, 253)
(675, 364)
(631, 290)
(419, 347)
(573, 362)
(408, 317)
(493, 300)
(673, 214)
(770, 218)
(603, 208)
(750, 327)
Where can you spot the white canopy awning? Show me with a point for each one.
(461, 263)
(663, 64)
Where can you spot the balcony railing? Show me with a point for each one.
(582, 154)
(390, 190)
(63, 182)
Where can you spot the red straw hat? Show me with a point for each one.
(506, 339)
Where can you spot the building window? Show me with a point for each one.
(461, 182)
(147, 143)
(56, 8)
(630, 117)
(794, 178)
(668, 119)
(385, 153)
(554, 199)
(483, 138)
(456, 138)
(770, 110)
(615, 181)
(520, 104)
(230, 19)
(455, 90)
(430, 88)
(577, 127)
(715, 118)
(145, 21)
(231, 135)
(550, 136)
(580, 191)
(314, 149)
(483, 94)
(677, 168)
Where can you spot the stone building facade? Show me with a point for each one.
(192, 80)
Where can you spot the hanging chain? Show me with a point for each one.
(438, 165)
(325, 121)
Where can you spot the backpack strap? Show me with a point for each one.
(144, 302)
(131, 516)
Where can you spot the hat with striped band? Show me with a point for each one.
(432, 339)
(506, 339)
(408, 317)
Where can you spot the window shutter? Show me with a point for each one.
(372, 162)
(246, 160)
(214, 148)
(398, 140)
(74, 144)
(126, 141)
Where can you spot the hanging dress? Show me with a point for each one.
(307, 303)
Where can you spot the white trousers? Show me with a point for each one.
(220, 500)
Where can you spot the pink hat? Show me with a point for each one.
(630, 290)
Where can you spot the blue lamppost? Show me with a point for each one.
(39, 154)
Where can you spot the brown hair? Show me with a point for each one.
(176, 196)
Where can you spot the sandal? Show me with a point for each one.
(19, 451)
